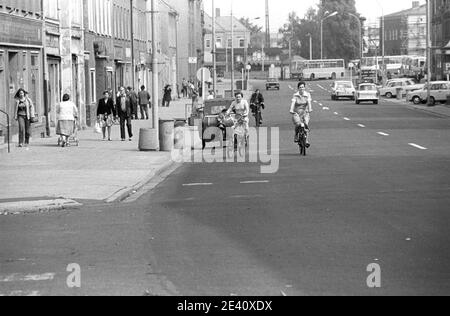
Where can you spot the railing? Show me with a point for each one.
(7, 126)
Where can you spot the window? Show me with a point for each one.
(208, 43)
(230, 43)
(242, 43)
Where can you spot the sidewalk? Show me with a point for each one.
(96, 170)
(439, 109)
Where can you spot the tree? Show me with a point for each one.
(256, 34)
(340, 32)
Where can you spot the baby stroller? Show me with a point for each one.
(72, 140)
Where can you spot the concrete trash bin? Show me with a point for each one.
(166, 135)
(148, 140)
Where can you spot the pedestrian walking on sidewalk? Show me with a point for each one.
(167, 96)
(124, 112)
(184, 88)
(134, 102)
(144, 103)
(24, 114)
(105, 114)
(67, 114)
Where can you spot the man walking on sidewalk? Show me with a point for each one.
(144, 103)
(134, 102)
(125, 113)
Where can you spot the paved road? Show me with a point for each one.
(373, 189)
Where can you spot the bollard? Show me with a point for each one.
(399, 93)
(148, 140)
(166, 135)
(448, 99)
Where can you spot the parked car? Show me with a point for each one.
(343, 89)
(439, 90)
(272, 83)
(367, 92)
(391, 86)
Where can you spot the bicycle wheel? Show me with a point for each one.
(258, 118)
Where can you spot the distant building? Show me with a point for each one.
(440, 10)
(405, 31)
(224, 42)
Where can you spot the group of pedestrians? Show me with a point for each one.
(121, 110)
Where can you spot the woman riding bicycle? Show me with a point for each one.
(242, 110)
(301, 107)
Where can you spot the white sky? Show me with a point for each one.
(279, 9)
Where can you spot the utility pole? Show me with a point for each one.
(214, 53)
(45, 71)
(232, 50)
(428, 54)
(133, 62)
(155, 84)
(267, 24)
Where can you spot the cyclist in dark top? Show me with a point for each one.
(256, 100)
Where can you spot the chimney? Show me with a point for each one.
(415, 4)
(217, 12)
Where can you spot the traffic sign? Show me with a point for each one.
(206, 76)
(193, 60)
(249, 67)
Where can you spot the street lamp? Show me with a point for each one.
(321, 29)
(359, 19)
(310, 46)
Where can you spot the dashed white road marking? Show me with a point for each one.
(336, 113)
(346, 118)
(383, 134)
(255, 182)
(418, 146)
(197, 184)
(326, 108)
(362, 126)
(25, 278)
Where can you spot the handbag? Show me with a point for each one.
(97, 128)
(34, 119)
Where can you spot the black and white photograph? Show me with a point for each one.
(224, 154)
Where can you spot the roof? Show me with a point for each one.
(420, 10)
(225, 23)
(208, 25)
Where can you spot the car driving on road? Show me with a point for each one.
(439, 90)
(367, 92)
(272, 83)
(343, 89)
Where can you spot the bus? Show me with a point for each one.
(318, 69)
(396, 66)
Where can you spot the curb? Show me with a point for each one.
(127, 191)
(28, 207)
(429, 110)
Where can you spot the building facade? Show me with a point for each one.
(440, 10)
(21, 57)
(405, 32)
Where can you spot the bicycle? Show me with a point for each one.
(302, 136)
(258, 114)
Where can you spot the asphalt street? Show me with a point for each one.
(374, 188)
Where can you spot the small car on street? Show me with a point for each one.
(391, 86)
(272, 83)
(439, 90)
(343, 89)
(367, 92)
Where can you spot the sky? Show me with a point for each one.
(280, 9)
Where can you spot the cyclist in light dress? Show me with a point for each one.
(301, 108)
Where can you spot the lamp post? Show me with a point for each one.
(360, 33)
(310, 46)
(321, 30)
(429, 54)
